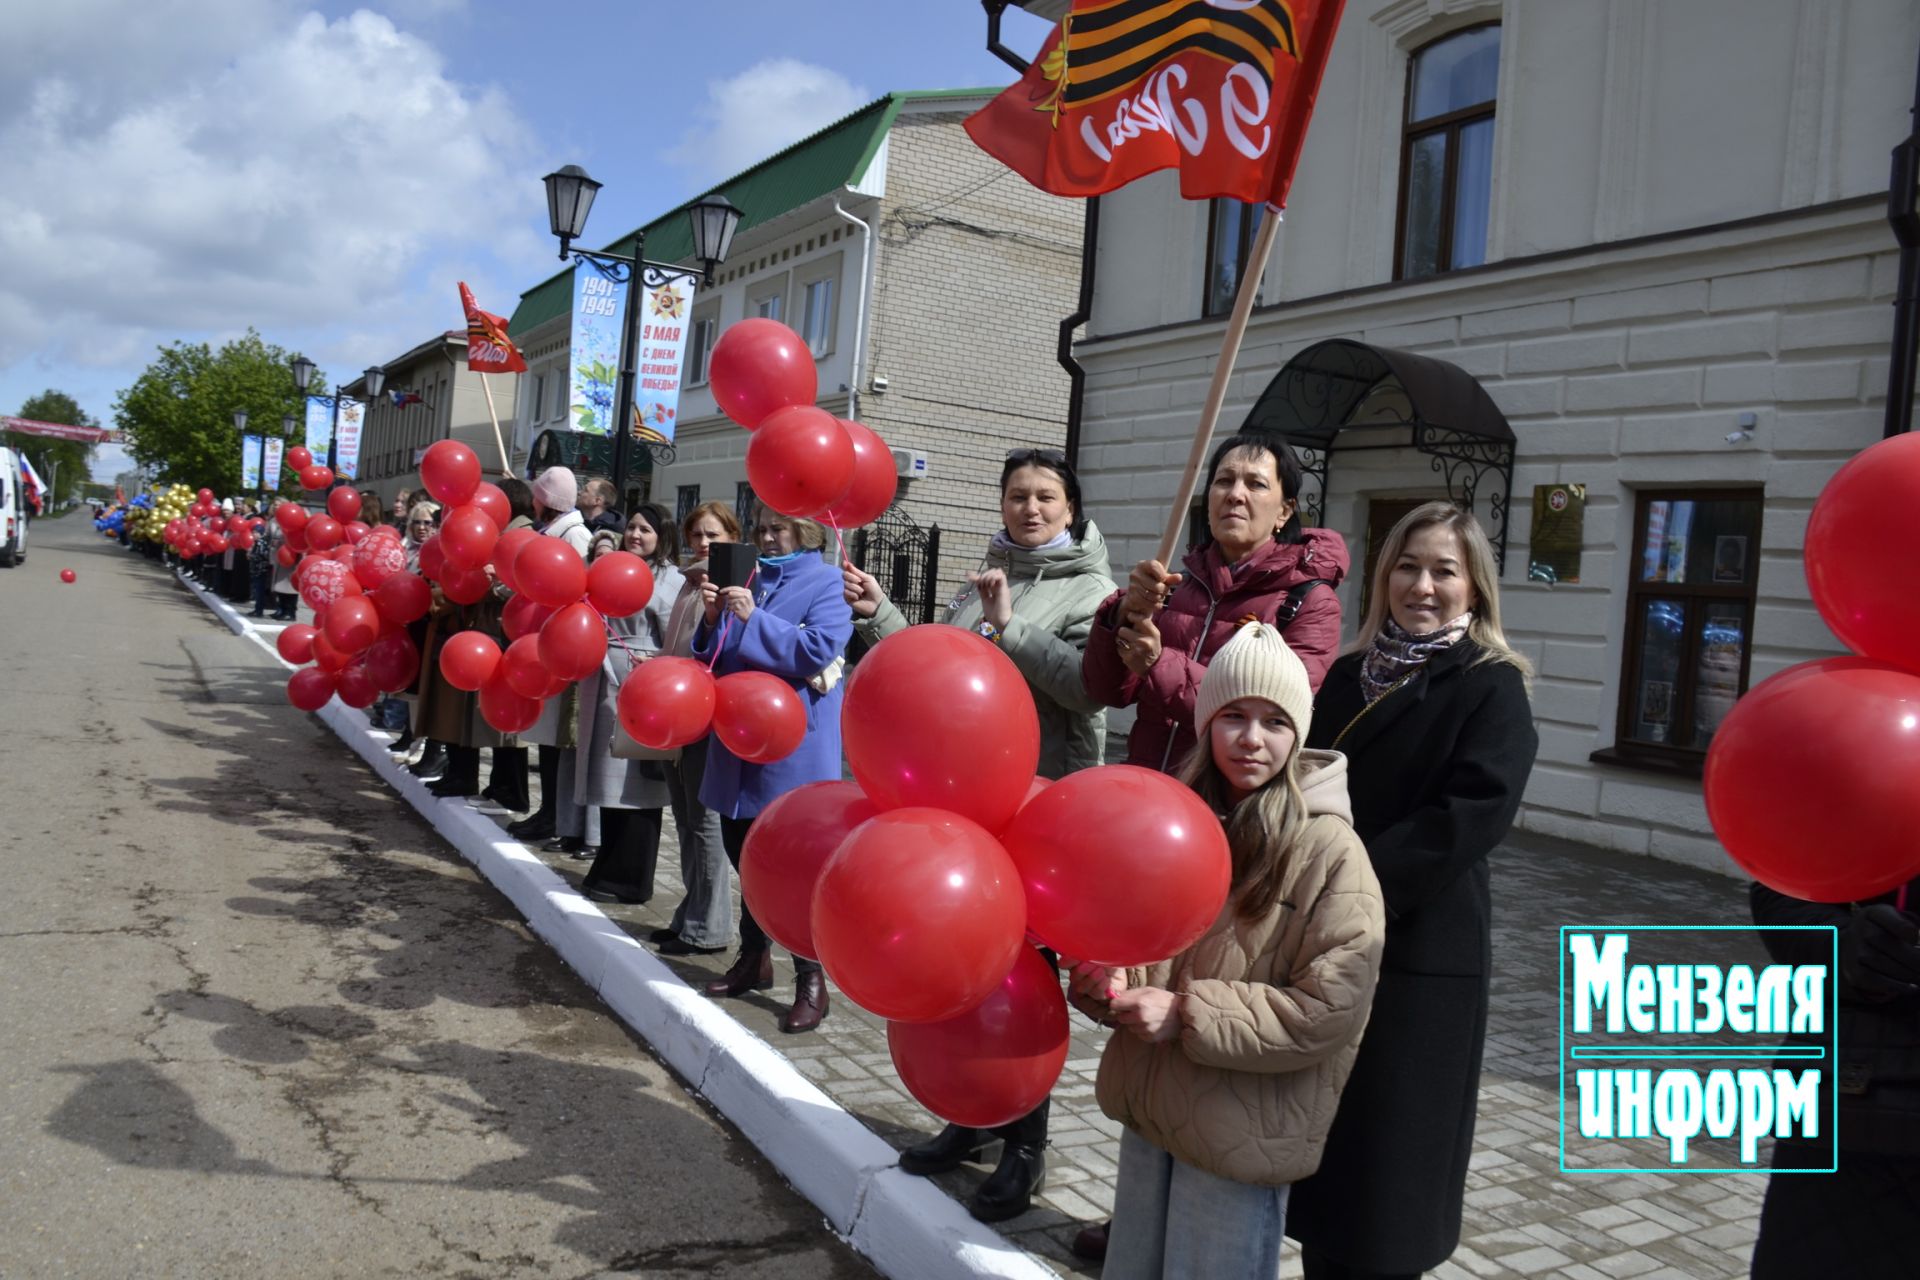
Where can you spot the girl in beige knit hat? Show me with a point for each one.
(1227, 1060)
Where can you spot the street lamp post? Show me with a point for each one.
(570, 195)
(376, 378)
(240, 428)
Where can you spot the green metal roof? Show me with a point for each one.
(836, 156)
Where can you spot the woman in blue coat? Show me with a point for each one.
(792, 622)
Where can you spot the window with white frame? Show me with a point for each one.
(816, 315)
(768, 300)
(700, 336)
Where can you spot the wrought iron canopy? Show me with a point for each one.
(1380, 398)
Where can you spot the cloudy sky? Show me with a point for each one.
(326, 173)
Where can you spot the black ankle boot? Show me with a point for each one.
(1008, 1190)
(432, 762)
(952, 1147)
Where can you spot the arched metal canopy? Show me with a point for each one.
(1379, 398)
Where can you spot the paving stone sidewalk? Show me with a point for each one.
(1524, 1216)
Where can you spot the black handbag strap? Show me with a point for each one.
(1290, 608)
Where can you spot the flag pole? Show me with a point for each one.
(506, 462)
(1217, 392)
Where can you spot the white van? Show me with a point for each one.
(13, 510)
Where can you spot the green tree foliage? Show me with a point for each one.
(63, 464)
(177, 417)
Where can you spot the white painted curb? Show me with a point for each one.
(906, 1226)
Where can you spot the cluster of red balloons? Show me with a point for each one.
(205, 531)
(920, 884)
(311, 474)
(362, 599)
(1811, 778)
(802, 461)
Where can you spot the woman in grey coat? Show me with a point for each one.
(629, 793)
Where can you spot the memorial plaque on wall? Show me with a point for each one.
(1559, 526)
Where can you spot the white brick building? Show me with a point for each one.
(929, 281)
(1656, 234)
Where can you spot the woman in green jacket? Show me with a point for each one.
(1035, 594)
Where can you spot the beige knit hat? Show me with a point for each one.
(1256, 663)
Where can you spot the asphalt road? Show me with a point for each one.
(257, 1020)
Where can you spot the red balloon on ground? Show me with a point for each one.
(551, 572)
(353, 623)
(451, 472)
(918, 915)
(323, 533)
(403, 597)
(1121, 865)
(759, 717)
(492, 499)
(667, 702)
(343, 504)
(1857, 543)
(800, 460)
(309, 688)
(997, 1061)
(1811, 778)
(467, 535)
(939, 716)
(573, 642)
(468, 660)
(619, 584)
(393, 663)
(874, 481)
(299, 458)
(788, 847)
(68, 575)
(758, 366)
(317, 476)
(295, 642)
(523, 616)
(355, 687)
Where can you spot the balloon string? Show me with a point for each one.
(726, 624)
(844, 560)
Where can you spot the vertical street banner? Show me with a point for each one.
(347, 446)
(250, 462)
(319, 426)
(270, 463)
(594, 351)
(663, 345)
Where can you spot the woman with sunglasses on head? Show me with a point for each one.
(1034, 596)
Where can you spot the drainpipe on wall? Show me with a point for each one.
(1903, 212)
(860, 311)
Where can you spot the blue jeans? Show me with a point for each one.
(1172, 1221)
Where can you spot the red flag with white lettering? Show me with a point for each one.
(1220, 89)
(489, 349)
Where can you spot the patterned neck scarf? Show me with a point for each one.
(1397, 653)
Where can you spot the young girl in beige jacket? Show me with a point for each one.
(1227, 1060)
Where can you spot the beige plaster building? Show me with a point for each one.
(452, 405)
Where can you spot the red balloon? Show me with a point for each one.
(467, 535)
(343, 554)
(377, 559)
(451, 472)
(759, 717)
(787, 848)
(403, 597)
(68, 575)
(466, 586)
(324, 581)
(205, 496)
(1122, 865)
(433, 560)
(523, 616)
(242, 538)
(343, 504)
(468, 660)
(1856, 538)
(285, 556)
(874, 481)
(939, 716)
(619, 584)
(355, 687)
(393, 663)
(217, 523)
(295, 642)
(323, 533)
(299, 458)
(667, 702)
(355, 532)
(328, 656)
(551, 572)
(505, 710)
(297, 538)
(317, 476)
(353, 623)
(997, 1061)
(918, 915)
(759, 366)
(492, 499)
(506, 550)
(309, 688)
(1811, 779)
(573, 642)
(800, 460)
(520, 668)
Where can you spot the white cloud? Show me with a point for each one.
(770, 105)
(245, 164)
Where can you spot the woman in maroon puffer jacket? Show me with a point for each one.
(1151, 643)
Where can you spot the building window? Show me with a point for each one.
(816, 319)
(744, 504)
(769, 306)
(562, 396)
(685, 500)
(1696, 560)
(536, 403)
(1231, 225)
(699, 347)
(1446, 153)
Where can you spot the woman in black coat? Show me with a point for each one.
(1431, 710)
